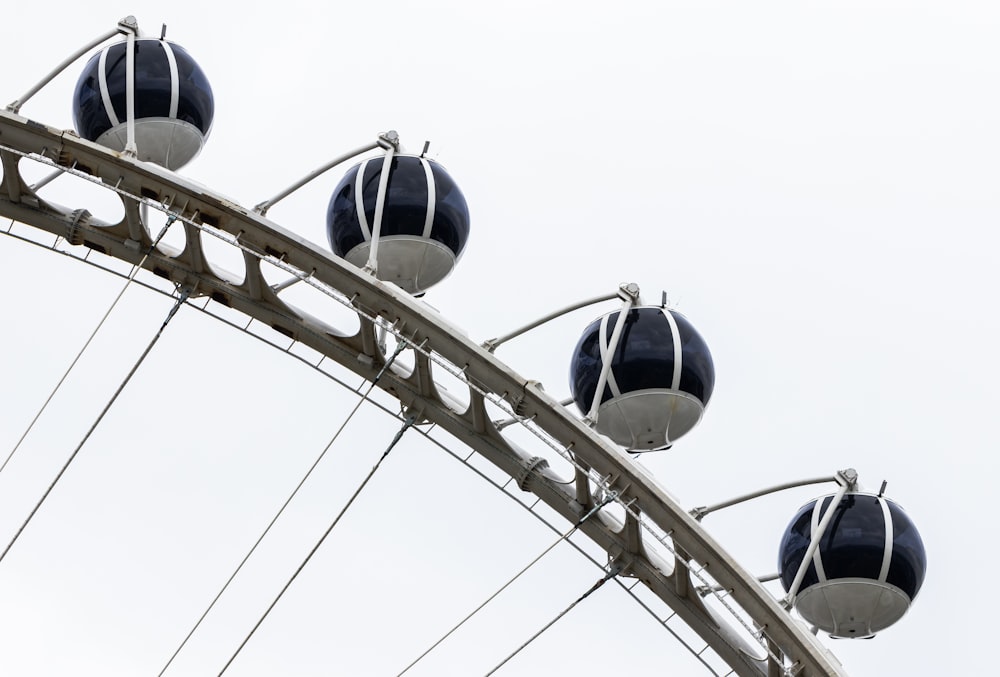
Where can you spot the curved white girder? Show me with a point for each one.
(650, 510)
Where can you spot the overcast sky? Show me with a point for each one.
(814, 184)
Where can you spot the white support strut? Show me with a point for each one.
(608, 356)
(383, 186)
(130, 147)
(817, 534)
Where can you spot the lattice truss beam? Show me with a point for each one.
(658, 543)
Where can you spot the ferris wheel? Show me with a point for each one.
(641, 377)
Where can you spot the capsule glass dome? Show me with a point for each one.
(174, 104)
(661, 377)
(867, 570)
(425, 220)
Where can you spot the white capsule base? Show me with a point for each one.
(413, 263)
(645, 420)
(852, 607)
(168, 142)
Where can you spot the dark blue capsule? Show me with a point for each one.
(425, 220)
(867, 570)
(661, 377)
(174, 104)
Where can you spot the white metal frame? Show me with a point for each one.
(654, 522)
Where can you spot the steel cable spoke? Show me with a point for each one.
(800, 643)
(128, 282)
(410, 420)
(462, 458)
(399, 348)
(506, 585)
(611, 574)
(107, 407)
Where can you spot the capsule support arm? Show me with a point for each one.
(128, 26)
(386, 140)
(629, 293)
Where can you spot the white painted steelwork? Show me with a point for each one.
(658, 544)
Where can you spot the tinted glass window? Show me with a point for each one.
(698, 369)
(405, 207)
(451, 212)
(153, 84)
(909, 560)
(644, 357)
(197, 102)
(585, 368)
(342, 225)
(853, 544)
(89, 117)
(792, 550)
(152, 79)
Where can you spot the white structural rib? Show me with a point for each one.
(650, 509)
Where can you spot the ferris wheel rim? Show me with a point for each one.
(425, 432)
(417, 325)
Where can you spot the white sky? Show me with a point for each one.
(813, 183)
